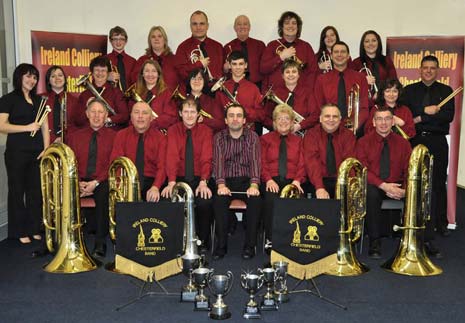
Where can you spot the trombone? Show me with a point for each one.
(132, 93)
(63, 117)
(177, 95)
(374, 87)
(84, 81)
(197, 54)
(219, 85)
(282, 47)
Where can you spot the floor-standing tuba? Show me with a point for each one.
(61, 212)
(351, 191)
(411, 258)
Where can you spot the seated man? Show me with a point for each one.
(92, 146)
(325, 147)
(146, 147)
(188, 159)
(282, 163)
(386, 155)
(236, 168)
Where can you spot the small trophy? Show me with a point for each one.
(252, 284)
(281, 294)
(201, 275)
(269, 277)
(189, 263)
(220, 286)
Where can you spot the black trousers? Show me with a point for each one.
(221, 211)
(24, 193)
(100, 196)
(437, 146)
(268, 205)
(375, 197)
(330, 186)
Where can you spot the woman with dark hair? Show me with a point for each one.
(372, 61)
(289, 46)
(390, 92)
(197, 87)
(159, 51)
(151, 87)
(61, 103)
(18, 112)
(328, 37)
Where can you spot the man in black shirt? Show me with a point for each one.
(432, 126)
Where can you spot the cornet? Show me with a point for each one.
(374, 87)
(197, 54)
(118, 82)
(282, 47)
(84, 81)
(325, 58)
(353, 107)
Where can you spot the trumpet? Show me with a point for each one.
(177, 95)
(219, 85)
(42, 113)
(132, 93)
(325, 58)
(374, 87)
(197, 54)
(84, 81)
(282, 47)
(353, 106)
(118, 82)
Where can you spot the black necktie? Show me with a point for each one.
(234, 92)
(140, 158)
(341, 95)
(375, 69)
(282, 161)
(384, 161)
(189, 157)
(92, 156)
(57, 115)
(290, 99)
(330, 156)
(203, 49)
(122, 71)
(149, 96)
(427, 98)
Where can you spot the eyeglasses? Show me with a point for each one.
(385, 119)
(118, 39)
(197, 78)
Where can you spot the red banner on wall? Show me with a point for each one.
(406, 53)
(73, 52)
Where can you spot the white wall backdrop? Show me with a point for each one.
(351, 18)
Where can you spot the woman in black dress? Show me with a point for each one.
(18, 110)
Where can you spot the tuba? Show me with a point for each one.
(353, 108)
(351, 191)
(290, 191)
(411, 258)
(62, 212)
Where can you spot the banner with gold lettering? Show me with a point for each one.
(406, 53)
(306, 235)
(73, 52)
(149, 238)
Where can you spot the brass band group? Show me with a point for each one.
(199, 116)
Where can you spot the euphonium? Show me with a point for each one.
(290, 191)
(351, 191)
(411, 258)
(190, 239)
(353, 108)
(62, 213)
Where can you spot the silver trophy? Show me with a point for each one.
(281, 294)
(269, 277)
(220, 286)
(252, 284)
(189, 263)
(201, 275)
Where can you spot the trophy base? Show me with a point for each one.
(202, 305)
(222, 316)
(188, 296)
(281, 298)
(251, 313)
(269, 305)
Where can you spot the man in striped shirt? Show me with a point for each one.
(236, 168)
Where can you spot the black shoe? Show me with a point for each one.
(444, 231)
(268, 247)
(432, 250)
(248, 253)
(219, 254)
(374, 251)
(40, 253)
(100, 250)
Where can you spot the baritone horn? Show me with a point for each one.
(84, 81)
(62, 212)
(411, 258)
(351, 191)
(294, 57)
(195, 56)
(353, 108)
(177, 95)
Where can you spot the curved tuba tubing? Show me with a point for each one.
(351, 191)
(124, 186)
(190, 239)
(61, 212)
(411, 258)
(290, 191)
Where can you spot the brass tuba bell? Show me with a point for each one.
(411, 258)
(351, 191)
(62, 212)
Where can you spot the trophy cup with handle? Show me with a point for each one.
(220, 286)
(201, 275)
(252, 284)
(268, 302)
(281, 293)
